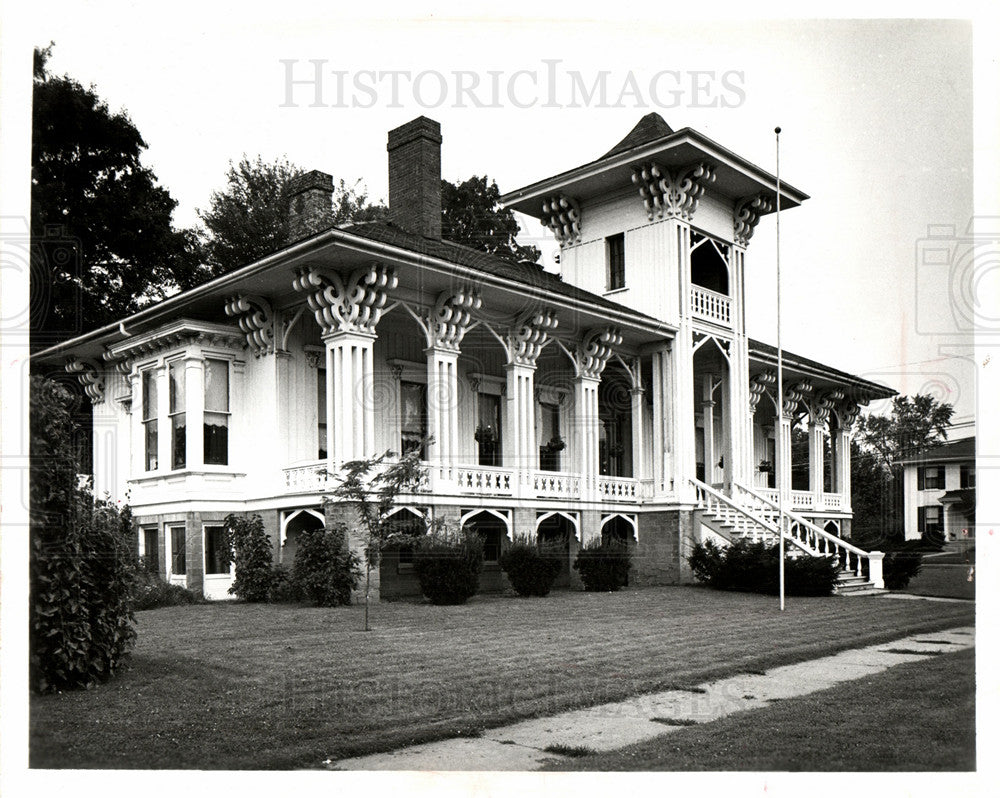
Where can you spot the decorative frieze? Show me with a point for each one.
(255, 319)
(668, 194)
(594, 351)
(451, 318)
(562, 217)
(529, 335)
(179, 334)
(746, 214)
(759, 384)
(89, 375)
(352, 306)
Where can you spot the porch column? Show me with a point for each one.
(842, 465)
(442, 408)
(586, 433)
(783, 452)
(194, 410)
(708, 425)
(663, 422)
(816, 463)
(638, 395)
(350, 409)
(519, 448)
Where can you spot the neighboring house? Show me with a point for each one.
(939, 492)
(621, 398)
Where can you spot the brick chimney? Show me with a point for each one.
(310, 205)
(415, 177)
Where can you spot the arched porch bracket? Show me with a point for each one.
(571, 517)
(502, 515)
(628, 518)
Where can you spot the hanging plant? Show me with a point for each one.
(765, 467)
(556, 444)
(486, 434)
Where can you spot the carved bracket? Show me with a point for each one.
(256, 319)
(794, 394)
(562, 217)
(819, 411)
(89, 374)
(354, 306)
(847, 413)
(746, 215)
(451, 317)
(594, 351)
(529, 335)
(665, 194)
(758, 387)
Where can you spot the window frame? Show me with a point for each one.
(178, 443)
(150, 378)
(967, 477)
(615, 275)
(938, 481)
(177, 551)
(206, 413)
(404, 445)
(205, 557)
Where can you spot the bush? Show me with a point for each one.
(82, 562)
(448, 566)
(283, 588)
(252, 553)
(753, 568)
(903, 558)
(151, 592)
(530, 568)
(325, 570)
(604, 565)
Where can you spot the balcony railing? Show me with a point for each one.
(485, 480)
(805, 500)
(555, 485)
(711, 305)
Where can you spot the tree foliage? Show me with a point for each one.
(325, 570)
(249, 218)
(471, 215)
(82, 561)
(913, 426)
(102, 241)
(250, 547)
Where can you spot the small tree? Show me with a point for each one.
(325, 570)
(374, 485)
(251, 550)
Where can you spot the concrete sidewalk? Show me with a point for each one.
(522, 746)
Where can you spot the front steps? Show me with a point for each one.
(850, 584)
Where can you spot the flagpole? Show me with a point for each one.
(780, 448)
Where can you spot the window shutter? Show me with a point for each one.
(920, 479)
(921, 519)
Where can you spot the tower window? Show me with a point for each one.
(616, 261)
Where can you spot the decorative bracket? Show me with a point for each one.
(746, 214)
(819, 411)
(758, 387)
(354, 306)
(847, 413)
(256, 319)
(529, 336)
(89, 375)
(451, 318)
(793, 395)
(594, 351)
(562, 217)
(665, 194)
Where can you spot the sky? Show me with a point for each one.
(876, 119)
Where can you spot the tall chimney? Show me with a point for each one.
(415, 177)
(310, 205)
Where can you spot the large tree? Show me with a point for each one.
(101, 234)
(249, 218)
(879, 446)
(471, 215)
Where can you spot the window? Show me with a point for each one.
(709, 263)
(178, 426)
(216, 412)
(929, 520)
(616, 261)
(488, 433)
(149, 422)
(178, 552)
(550, 441)
(321, 413)
(412, 417)
(968, 477)
(216, 551)
(150, 553)
(930, 478)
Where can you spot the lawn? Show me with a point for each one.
(939, 579)
(914, 717)
(277, 686)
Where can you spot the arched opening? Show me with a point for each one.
(295, 524)
(556, 532)
(713, 444)
(618, 529)
(709, 264)
(493, 528)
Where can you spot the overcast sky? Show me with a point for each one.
(877, 121)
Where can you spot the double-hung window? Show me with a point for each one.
(178, 550)
(930, 478)
(216, 412)
(616, 261)
(150, 394)
(321, 413)
(178, 423)
(412, 417)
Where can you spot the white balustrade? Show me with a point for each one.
(711, 305)
(308, 477)
(485, 480)
(618, 489)
(555, 485)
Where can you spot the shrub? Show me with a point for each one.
(251, 548)
(82, 562)
(903, 558)
(283, 588)
(530, 568)
(604, 565)
(753, 567)
(325, 570)
(151, 592)
(448, 566)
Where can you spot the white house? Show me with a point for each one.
(622, 397)
(939, 492)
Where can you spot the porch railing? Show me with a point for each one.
(804, 499)
(555, 485)
(307, 477)
(711, 305)
(619, 489)
(485, 480)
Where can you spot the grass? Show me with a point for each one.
(240, 686)
(919, 716)
(573, 751)
(947, 581)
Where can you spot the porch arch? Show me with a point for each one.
(628, 518)
(292, 524)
